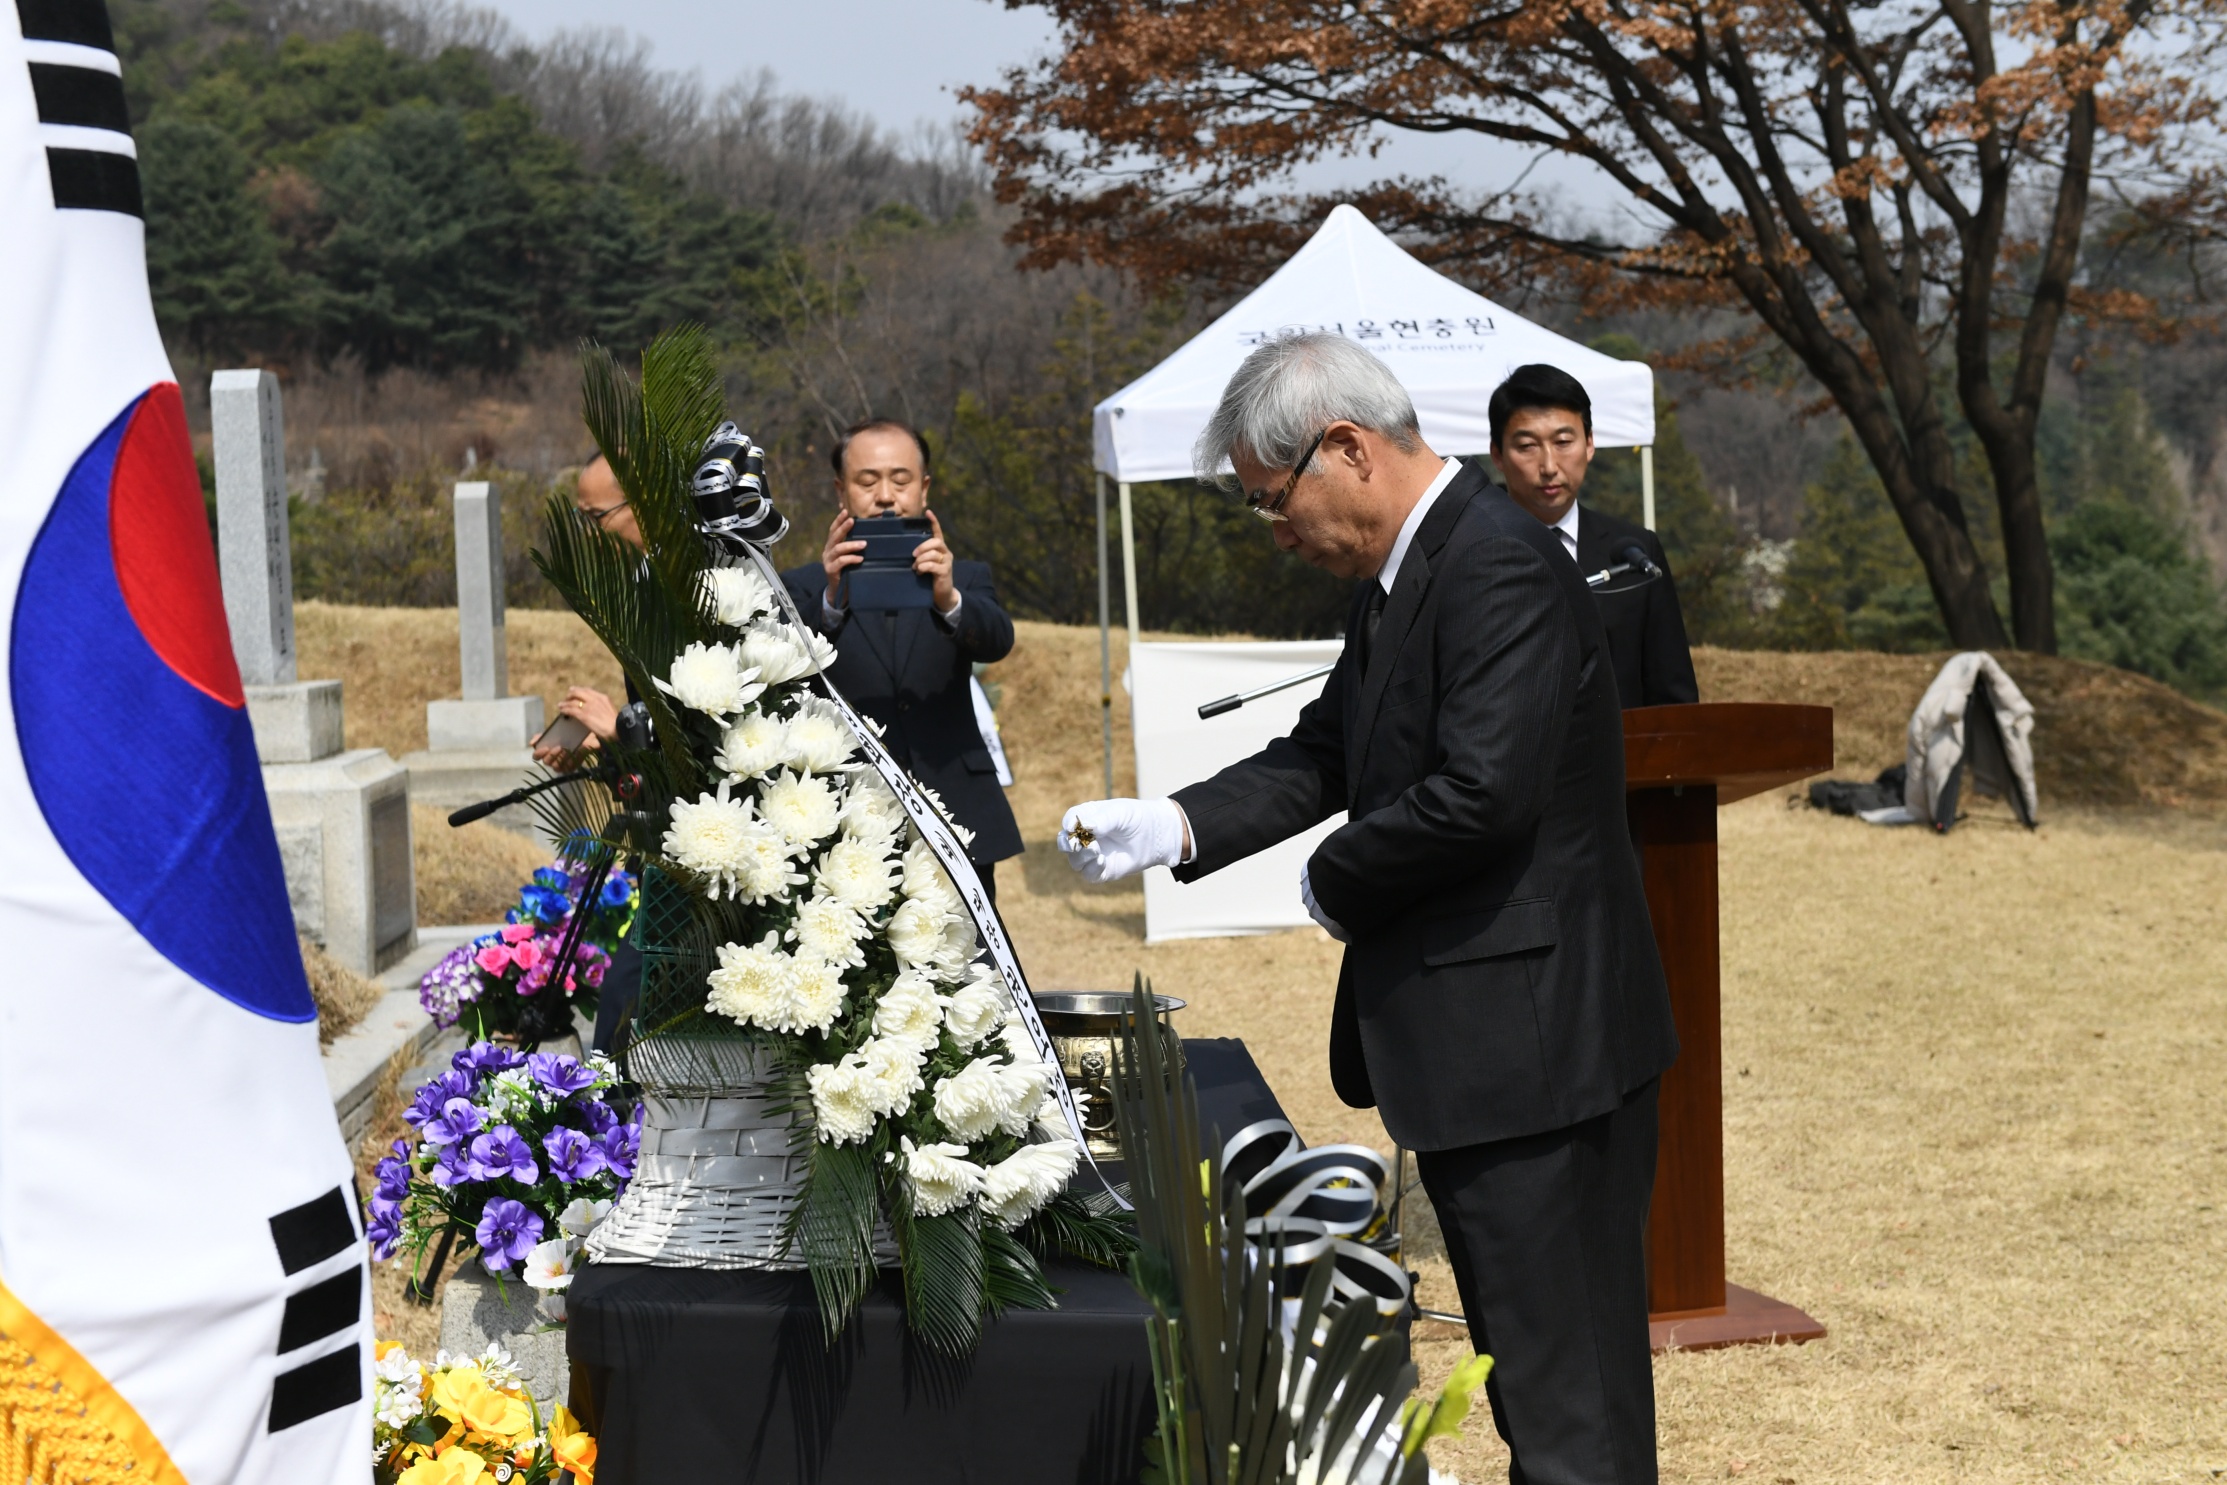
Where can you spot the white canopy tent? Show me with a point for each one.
(1449, 346)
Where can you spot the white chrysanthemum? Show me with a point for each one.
(1021, 1090)
(768, 868)
(737, 594)
(819, 739)
(757, 744)
(827, 929)
(871, 812)
(916, 933)
(970, 1102)
(815, 995)
(751, 984)
(973, 1012)
(579, 1219)
(943, 1179)
(910, 1011)
(857, 874)
(892, 1069)
(840, 1107)
(713, 835)
(1051, 1121)
(960, 945)
(1015, 1038)
(1015, 1188)
(712, 679)
(800, 806)
(926, 881)
(779, 653)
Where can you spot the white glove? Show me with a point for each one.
(1314, 909)
(1108, 839)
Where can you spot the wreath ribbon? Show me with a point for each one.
(1304, 1207)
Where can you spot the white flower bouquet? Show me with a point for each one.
(792, 901)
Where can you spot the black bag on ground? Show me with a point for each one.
(1847, 797)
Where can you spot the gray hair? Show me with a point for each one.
(1290, 390)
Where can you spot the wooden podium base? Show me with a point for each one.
(1747, 1319)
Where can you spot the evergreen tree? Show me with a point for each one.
(2133, 593)
(1853, 581)
(212, 258)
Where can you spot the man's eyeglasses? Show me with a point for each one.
(593, 516)
(1260, 503)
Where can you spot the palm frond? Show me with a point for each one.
(1087, 1227)
(833, 1230)
(942, 1261)
(1011, 1276)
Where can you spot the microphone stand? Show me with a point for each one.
(1232, 703)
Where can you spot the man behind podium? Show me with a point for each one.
(1500, 1002)
(1542, 439)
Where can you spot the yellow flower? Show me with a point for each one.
(1442, 1419)
(498, 1415)
(383, 1349)
(457, 1467)
(452, 1386)
(572, 1448)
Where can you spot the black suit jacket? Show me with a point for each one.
(1502, 977)
(1646, 632)
(908, 670)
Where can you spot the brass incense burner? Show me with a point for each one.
(1085, 1025)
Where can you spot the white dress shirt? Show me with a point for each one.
(1390, 571)
(1566, 528)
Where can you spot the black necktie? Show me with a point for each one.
(1371, 616)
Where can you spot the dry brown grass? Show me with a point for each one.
(1973, 1121)
(394, 1318)
(470, 875)
(342, 996)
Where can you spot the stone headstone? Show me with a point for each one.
(248, 431)
(479, 591)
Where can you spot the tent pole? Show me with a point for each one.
(1105, 639)
(1129, 562)
(1647, 486)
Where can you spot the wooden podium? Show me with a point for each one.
(1680, 764)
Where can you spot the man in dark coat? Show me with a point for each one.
(1501, 1003)
(1542, 439)
(911, 669)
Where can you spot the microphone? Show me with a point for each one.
(626, 786)
(1635, 555)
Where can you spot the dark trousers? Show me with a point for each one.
(1548, 1237)
(988, 871)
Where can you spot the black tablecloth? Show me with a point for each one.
(723, 1377)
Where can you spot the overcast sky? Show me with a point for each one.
(900, 61)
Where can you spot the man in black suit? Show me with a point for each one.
(1542, 439)
(1501, 1002)
(911, 669)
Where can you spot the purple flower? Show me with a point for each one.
(502, 1151)
(560, 1074)
(394, 1176)
(457, 1122)
(619, 1147)
(453, 1167)
(430, 1097)
(573, 1156)
(385, 1235)
(599, 1116)
(384, 1207)
(454, 980)
(486, 1059)
(507, 1232)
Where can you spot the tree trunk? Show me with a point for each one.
(1933, 518)
(2033, 578)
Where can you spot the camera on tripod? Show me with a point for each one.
(733, 510)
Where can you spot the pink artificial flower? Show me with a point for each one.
(495, 958)
(517, 932)
(527, 955)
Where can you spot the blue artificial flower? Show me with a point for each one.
(394, 1176)
(453, 1168)
(435, 1094)
(457, 1122)
(618, 890)
(384, 1207)
(486, 1058)
(619, 1147)
(573, 1156)
(560, 1074)
(507, 1232)
(597, 1116)
(385, 1235)
(500, 1152)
